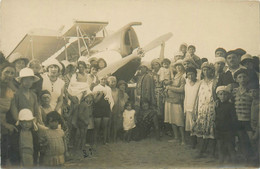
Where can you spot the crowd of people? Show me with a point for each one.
(48, 111)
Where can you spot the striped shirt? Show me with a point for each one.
(243, 102)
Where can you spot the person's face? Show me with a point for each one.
(129, 107)
(156, 66)
(53, 70)
(219, 66)
(242, 79)
(145, 106)
(103, 81)
(165, 65)
(26, 124)
(206, 72)
(81, 68)
(93, 71)
(254, 93)
(35, 67)
(112, 83)
(191, 76)
(249, 64)
(122, 87)
(7, 74)
(143, 69)
(19, 65)
(187, 65)
(223, 96)
(191, 51)
(46, 99)
(53, 124)
(183, 48)
(220, 54)
(70, 69)
(101, 64)
(27, 82)
(233, 60)
(179, 68)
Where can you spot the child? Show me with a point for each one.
(225, 124)
(191, 92)
(28, 140)
(128, 121)
(24, 97)
(83, 120)
(36, 67)
(45, 107)
(53, 138)
(165, 72)
(92, 78)
(191, 54)
(243, 102)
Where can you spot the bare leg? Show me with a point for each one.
(182, 135)
(175, 131)
(105, 126)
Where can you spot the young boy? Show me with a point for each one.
(191, 54)
(24, 97)
(225, 124)
(243, 102)
(45, 107)
(165, 72)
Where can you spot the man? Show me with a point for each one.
(227, 78)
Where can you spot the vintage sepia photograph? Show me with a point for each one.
(138, 84)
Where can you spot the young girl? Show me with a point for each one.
(173, 104)
(45, 107)
(191, 92)
(205, 123)
(164, 72)
(128, 121)
(103, 105)
(53, 138)
(28, 140)
(83, 120)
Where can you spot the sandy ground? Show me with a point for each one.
(148, 153)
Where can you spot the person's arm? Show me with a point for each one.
(177, 89)
(60, 100)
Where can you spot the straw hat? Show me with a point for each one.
(17, 56)
(50, 62)
(220, 59)
(246, 57)
(178, 62)
(222, 88)
(27, 72)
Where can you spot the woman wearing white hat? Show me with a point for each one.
(53, 83)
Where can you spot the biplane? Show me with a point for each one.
(121, 49)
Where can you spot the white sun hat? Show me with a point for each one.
(26, 115)
(50, 62)
(222, 88)
(27, 72)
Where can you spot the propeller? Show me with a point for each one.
(137, 53)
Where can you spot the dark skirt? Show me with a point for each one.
(101, 108)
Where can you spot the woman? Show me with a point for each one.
(103, 105)
(174, 101)
(54, 84)
(7, 73)
(204, 125)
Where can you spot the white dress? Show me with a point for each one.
(129, 119)
(54, 88)
(191, 93)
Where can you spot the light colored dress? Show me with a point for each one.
(129, 119)
(205, 123)
(191, 93)
(173, 113)
(54, 155)
(55, 88)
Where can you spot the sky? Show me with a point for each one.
(205, 24)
